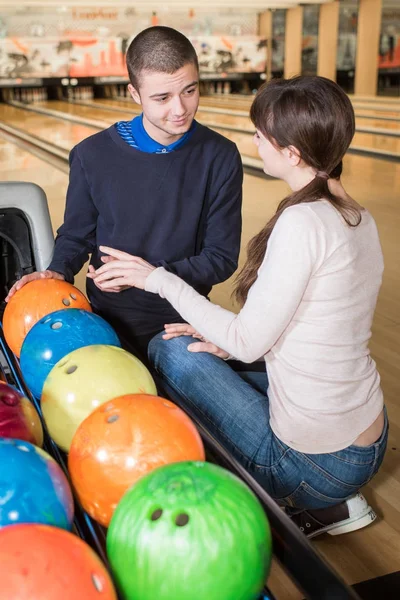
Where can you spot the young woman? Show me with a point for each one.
(312, 429)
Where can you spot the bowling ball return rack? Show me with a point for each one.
(27, 244)
(308, 571)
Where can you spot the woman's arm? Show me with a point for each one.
(295, 250)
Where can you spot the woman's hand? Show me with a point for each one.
(120, 271)
(178, 329)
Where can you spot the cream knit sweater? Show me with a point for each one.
(309, 314)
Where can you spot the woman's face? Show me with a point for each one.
(274, 160)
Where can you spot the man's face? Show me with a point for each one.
(169, 102)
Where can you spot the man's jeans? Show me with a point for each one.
(234, 408)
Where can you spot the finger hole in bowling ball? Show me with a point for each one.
(182, 519)
(46, 320)
(66, 302)
(97, 582)
(73, 296)
(62, 364)
(112, 418)
(157, 514)
(71, 369)
(56, 325)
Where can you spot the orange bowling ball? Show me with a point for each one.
(34, 301)
(121, 441)
(39, 562)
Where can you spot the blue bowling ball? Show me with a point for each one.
(55, 336)
(33, 487)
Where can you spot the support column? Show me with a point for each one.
(293, 41)
(328, 31)
(368, 32)
(265, 31)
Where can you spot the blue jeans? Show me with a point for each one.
(234, 407)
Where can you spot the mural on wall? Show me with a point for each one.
(32, 57)
(92, 57)
(230, 54)
(86, 42)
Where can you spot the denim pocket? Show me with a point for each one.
(305, 496)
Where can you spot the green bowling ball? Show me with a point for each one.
(189, 530)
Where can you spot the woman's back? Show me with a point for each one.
(321, 363)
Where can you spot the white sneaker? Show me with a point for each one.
(350, 515)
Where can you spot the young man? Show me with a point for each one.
(161, 186)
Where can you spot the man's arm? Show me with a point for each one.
(76, 238)
(219, 254)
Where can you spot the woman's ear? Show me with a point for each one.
(292, 155)
(134, 93)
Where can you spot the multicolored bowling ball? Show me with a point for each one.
(34, 301)
(33, 488)
(45, 563)
(83, 380)
(189, 530)
(56, 335)
(18, 417)
(121, 441)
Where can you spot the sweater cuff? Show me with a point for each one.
(62, 269)
(154, 280)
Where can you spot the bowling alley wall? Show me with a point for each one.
(79, 42)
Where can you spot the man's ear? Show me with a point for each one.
(134, 93)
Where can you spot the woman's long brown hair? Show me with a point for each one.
(316, 117)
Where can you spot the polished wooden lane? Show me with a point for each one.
(373, 551)
(234, 102)
(241, 119)
(63, 134)
(242, 137)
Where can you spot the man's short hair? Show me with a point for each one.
(159, 49)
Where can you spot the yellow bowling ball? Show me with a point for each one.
(83, 380)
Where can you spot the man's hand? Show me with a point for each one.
(178, 329)
(32, 277)
(120, 271)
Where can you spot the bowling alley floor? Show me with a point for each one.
(367, 554)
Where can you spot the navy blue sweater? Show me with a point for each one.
(180, 210)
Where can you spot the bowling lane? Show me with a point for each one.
(238, 119)
(241, 119)
(233, 102)
(393, 125)
(126, 110)
(243, 139)
(63, 134)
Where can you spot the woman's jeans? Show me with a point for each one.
(234, 408)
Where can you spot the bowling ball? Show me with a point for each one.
(34, 301)
(39, 562)
(121, 441)
(33, 488)
(18, 417)
(56, 335)
(189, 530)
(83, 380)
